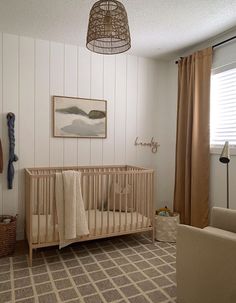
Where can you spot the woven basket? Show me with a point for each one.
(166, 228)
(7, 235)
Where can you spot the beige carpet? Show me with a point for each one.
(121, 269)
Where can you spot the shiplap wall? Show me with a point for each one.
(32, 71)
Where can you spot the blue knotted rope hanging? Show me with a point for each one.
(12, 156)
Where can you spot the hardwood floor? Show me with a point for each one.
(21, 248)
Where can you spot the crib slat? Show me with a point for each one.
(89, 201)
(101, 203)
(152, 205)
(44, 195)
(138, 197)
(114, 197)
(144, 198)
(132, 200)
(108, 204)
(120, 186)
(31, 182)
(95, 201)
(148, 199)
(35, 204)
(46, 208)
(126, 199)
(38, 196)
(54, 214)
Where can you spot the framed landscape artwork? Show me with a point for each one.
(79, 118)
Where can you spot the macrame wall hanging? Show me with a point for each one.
(12, 156)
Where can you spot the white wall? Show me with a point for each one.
(166, 134)
(31, 71)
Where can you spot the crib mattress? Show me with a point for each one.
(99, 224)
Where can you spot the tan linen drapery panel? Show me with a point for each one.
(191, 197)
(1, 157)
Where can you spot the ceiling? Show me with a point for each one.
(159, 28)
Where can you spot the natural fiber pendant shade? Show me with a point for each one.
(108, 29)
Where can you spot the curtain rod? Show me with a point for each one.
(216, 45)
(223, 42)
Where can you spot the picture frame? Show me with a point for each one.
(79, 117)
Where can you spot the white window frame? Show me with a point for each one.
(217, 149)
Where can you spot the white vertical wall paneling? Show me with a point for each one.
(10, 104)
(71, 82)
(131, 108)
(42, 103)
(97, 70)
(56, 88)
(142, 112)
(153, 92)
(26, 118)
(1, 123)
(109, 96)
(150, 105)
(35, 70)
(84, 91)
(120, 109)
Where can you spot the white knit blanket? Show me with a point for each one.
(72, 221)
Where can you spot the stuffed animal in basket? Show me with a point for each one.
(164, 211)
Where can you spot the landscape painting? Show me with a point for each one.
(80, 118)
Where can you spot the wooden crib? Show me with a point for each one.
(118, 200)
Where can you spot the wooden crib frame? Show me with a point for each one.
(96, 182)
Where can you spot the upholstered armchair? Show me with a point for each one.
(206, 260)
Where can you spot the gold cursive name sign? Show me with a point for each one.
(153, 144)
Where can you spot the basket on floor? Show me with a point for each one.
(166, 228)
(7, 235)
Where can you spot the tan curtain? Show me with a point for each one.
(191, 197)
(1, 157)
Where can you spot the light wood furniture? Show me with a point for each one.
(104, 219)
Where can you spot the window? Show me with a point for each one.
(223, 107)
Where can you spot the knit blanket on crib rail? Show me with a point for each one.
(72, 221)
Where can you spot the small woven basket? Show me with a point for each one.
(166, 228)
(7, 235)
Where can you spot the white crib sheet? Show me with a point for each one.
(118, 222)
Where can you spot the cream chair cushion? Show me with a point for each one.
(206, 260)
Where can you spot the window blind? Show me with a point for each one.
(223, 107)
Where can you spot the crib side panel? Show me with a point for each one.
(44, 228)
(118, 200)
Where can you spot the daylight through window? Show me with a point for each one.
(223, 108)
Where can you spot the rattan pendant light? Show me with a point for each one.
(108, 28)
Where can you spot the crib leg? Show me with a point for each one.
(30, 256)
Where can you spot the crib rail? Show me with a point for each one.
(118, 200)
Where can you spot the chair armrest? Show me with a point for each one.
(205, 266)
(223, 218)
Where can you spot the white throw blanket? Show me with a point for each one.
(72, 221)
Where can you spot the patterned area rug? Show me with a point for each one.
(121, 269)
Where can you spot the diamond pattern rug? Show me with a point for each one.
(121, 269)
